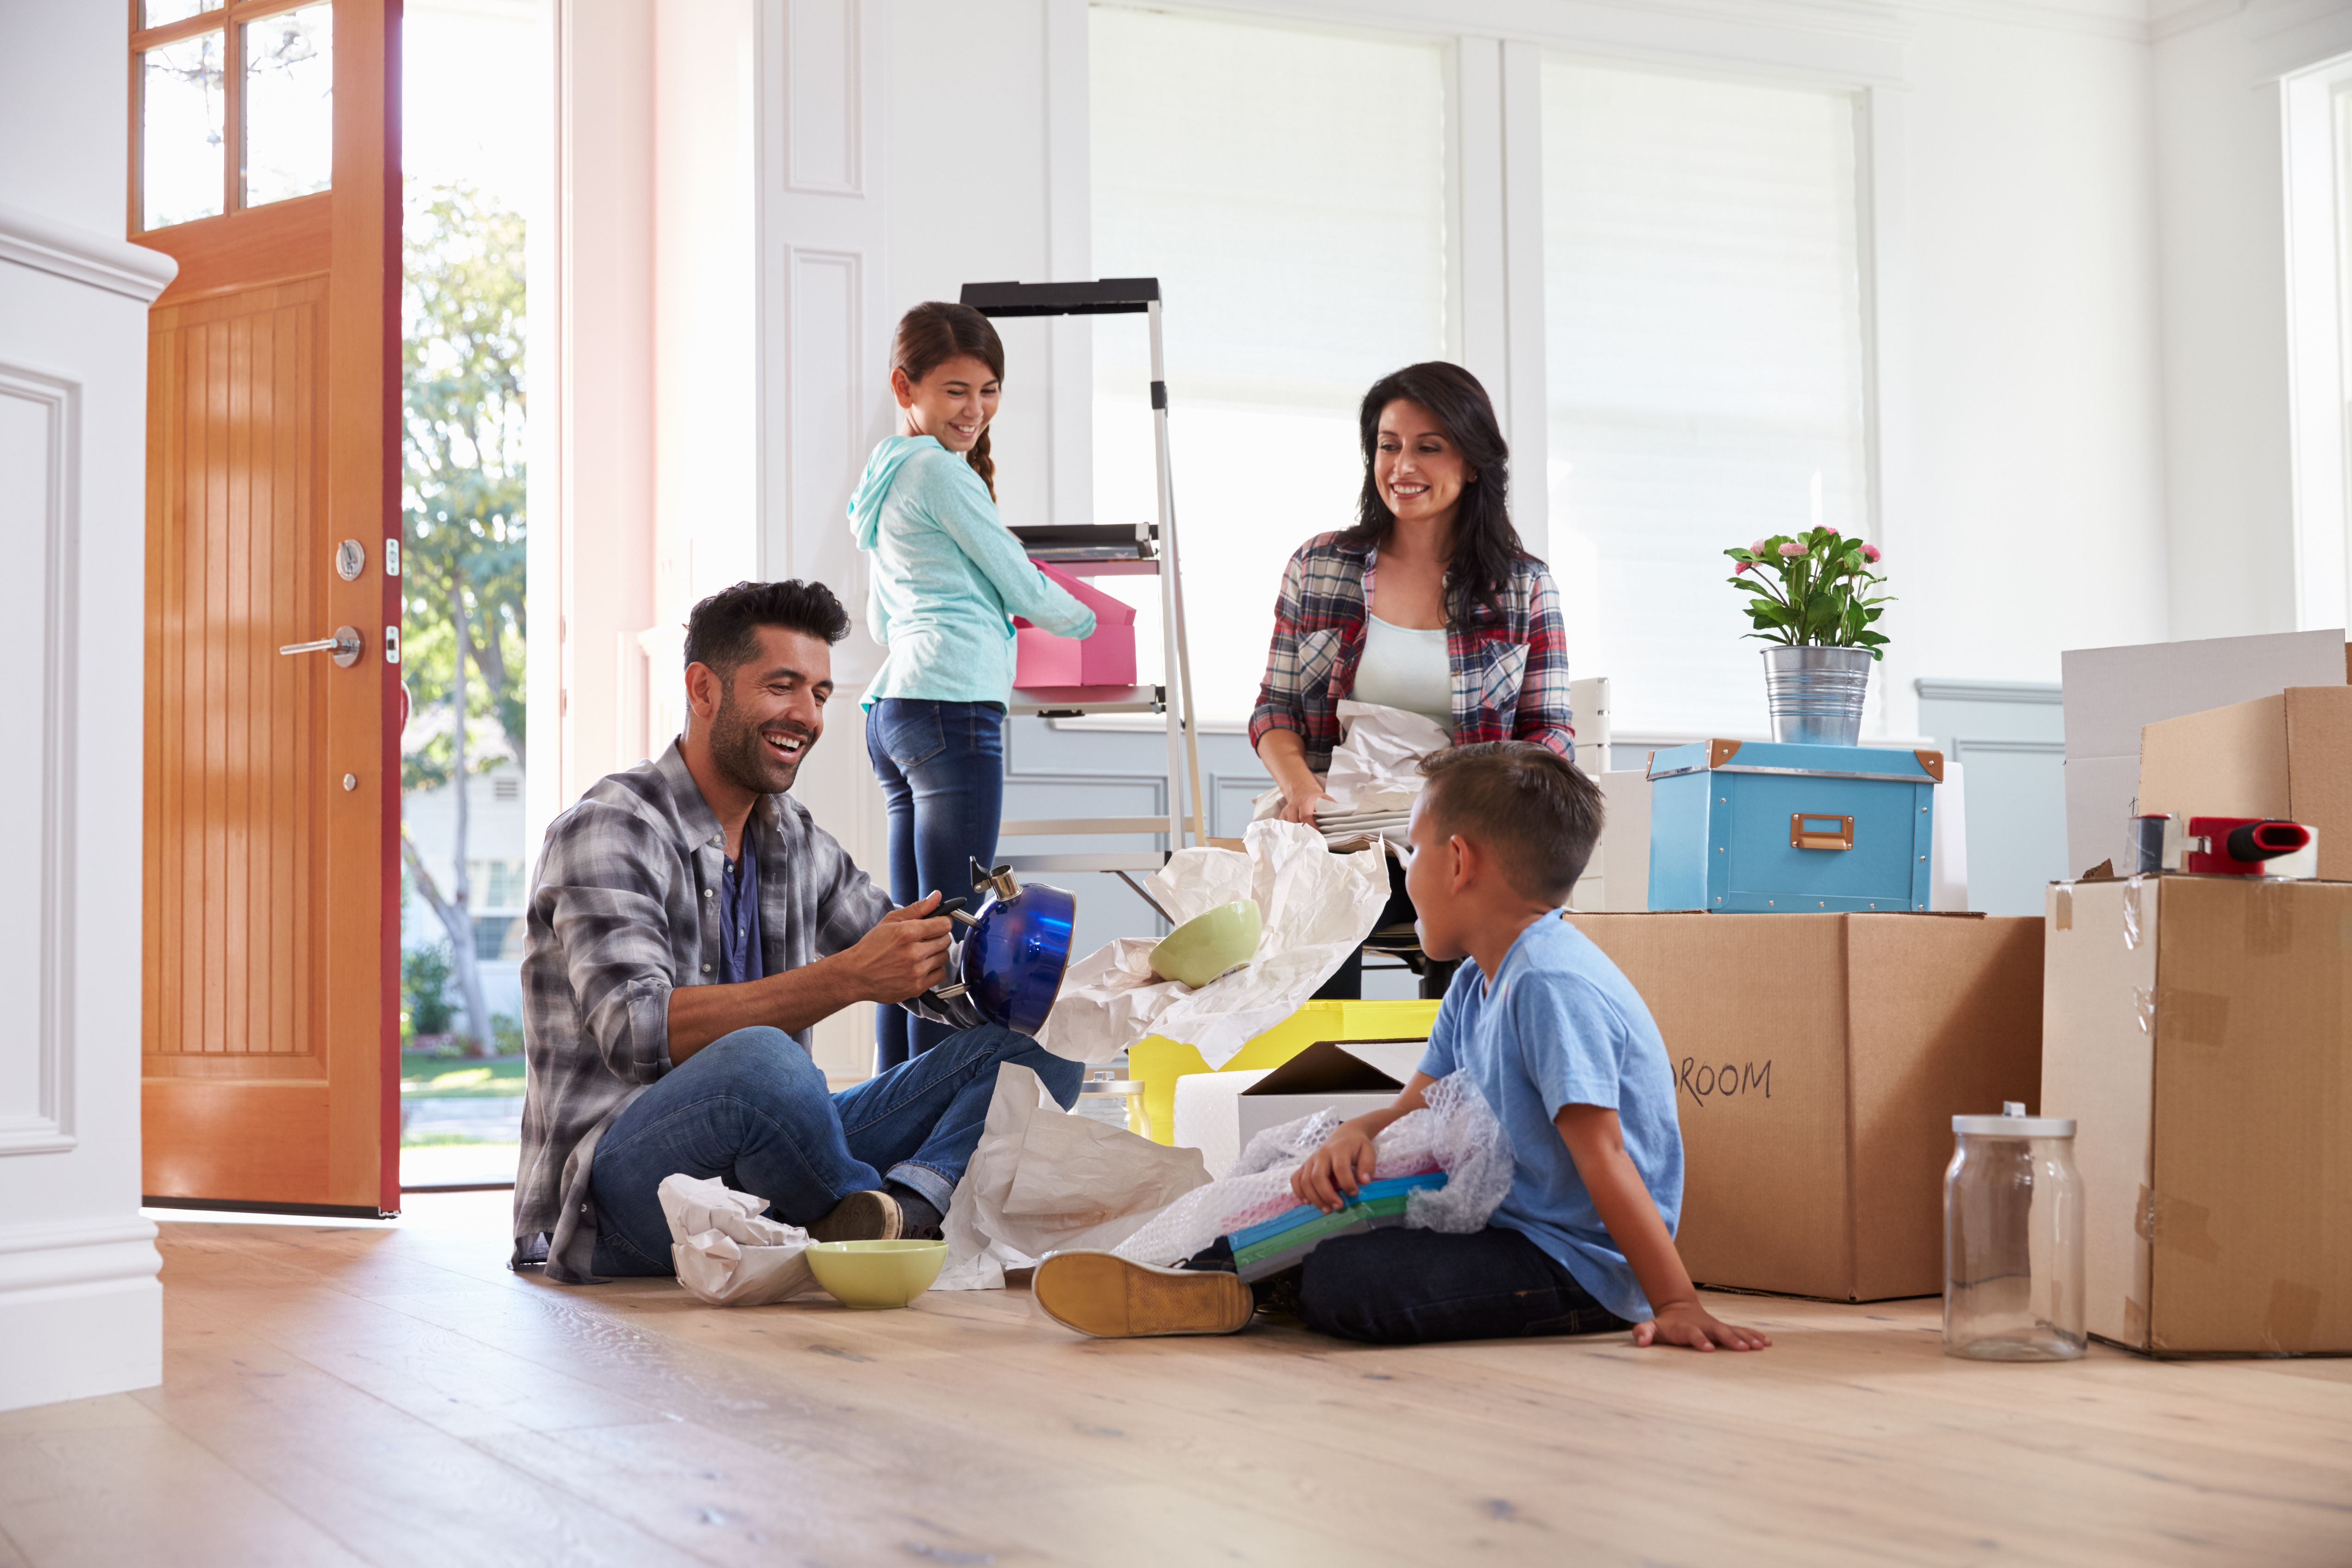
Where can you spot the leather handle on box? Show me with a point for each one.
(1802, 838)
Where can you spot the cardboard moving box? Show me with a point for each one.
(2112, 692)
(1819, 1060)
(2285, 756)
(2196, 1028)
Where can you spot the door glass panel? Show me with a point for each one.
(182, 97)
(290, 104)
(157, 13)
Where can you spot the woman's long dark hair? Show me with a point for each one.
(1485, 545)
(935, 333)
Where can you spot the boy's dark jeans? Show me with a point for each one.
(1399, 1286)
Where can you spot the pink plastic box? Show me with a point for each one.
(1041, 660)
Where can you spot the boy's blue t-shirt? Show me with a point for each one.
(1561, 1025)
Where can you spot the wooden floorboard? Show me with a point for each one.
(349, 1394)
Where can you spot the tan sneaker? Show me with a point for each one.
(860, 1217)
(1104, 1295)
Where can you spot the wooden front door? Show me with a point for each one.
(265, 157)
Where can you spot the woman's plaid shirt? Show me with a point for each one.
(1511, 674)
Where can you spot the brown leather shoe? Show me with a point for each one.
(1105, 1296)
(860, 1217)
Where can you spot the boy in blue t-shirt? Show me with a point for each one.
(1565, 1053)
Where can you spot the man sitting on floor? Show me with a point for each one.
(689, 925)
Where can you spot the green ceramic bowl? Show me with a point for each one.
(1208, 943)
(875, 1274)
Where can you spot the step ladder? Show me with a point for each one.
(1114, 551)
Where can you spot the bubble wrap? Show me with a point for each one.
(1457, 1134)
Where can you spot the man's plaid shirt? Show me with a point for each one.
(1511, 674)
(622, 911)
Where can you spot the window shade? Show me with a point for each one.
(1704, 315)
(1288, 188)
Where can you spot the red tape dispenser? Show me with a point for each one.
(2243, 847)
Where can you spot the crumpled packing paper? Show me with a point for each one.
(1316, 905)
(1376, 765)
(1042, 1179)
(726, 1252)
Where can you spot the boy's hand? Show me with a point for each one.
(1343, 1165)
(1688, 1324)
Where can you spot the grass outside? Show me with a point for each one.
(458, 1078)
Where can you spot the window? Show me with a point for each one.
(189, 54)
(2318, 168)
(1703, 308)
(1288, 188)
(500, 884)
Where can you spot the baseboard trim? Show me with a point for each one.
(81, 1307)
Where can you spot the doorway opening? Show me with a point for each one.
(475, 155)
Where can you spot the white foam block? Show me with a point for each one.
(1208, 1119)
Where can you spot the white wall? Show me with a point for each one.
(2025, 507)
(2015, 206)
(80, 1311)
(2225, 323)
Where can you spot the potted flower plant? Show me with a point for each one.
(1809, 593)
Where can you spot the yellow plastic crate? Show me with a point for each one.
(1157, 1063)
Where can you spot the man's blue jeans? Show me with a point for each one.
(752, 1110)
(941, 767)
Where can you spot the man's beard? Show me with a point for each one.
(746, 761)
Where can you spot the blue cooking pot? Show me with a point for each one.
(1015, 951)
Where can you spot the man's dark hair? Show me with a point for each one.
(1529, 806)
(723, 630)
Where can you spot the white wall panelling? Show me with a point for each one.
(824, 135)
(79, 1306)
(825, 310)
(40, 447)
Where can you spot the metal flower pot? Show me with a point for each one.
(1815, 694)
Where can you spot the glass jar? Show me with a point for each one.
(2014, 1239)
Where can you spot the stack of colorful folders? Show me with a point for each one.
(1279, 1243)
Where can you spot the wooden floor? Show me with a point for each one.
(393, 1396)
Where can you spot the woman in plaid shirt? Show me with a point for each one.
(1428, 604)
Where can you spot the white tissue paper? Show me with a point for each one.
(1375, 775)
(726, 1252)
(1455, 1132)
(1041, 1180)
(1317, 906)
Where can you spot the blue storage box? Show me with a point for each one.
(1760, 827)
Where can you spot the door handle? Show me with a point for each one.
(344, 645)
(1803, 837)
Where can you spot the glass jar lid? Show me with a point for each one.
(2012, 1122)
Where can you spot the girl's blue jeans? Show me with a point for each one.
(942, 770)
(752, 1110)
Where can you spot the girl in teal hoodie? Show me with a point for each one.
(947, 576)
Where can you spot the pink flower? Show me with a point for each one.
(1869, 553)
(1831, 531)
(1742, 566)
(1792, 549)
(1759, 546)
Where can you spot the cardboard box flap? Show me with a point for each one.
(2224, 762)
(2110, 693)
(2319, 771)
(1327, 1067)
